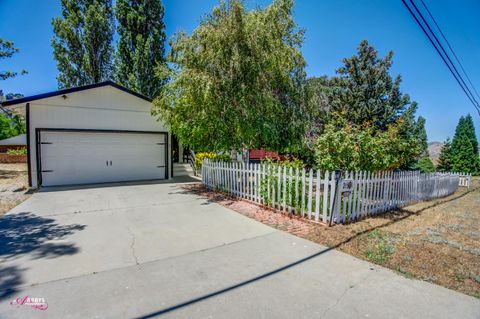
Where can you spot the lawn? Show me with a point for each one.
(437, 241)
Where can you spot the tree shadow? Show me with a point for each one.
(26, 233)
(10, 280)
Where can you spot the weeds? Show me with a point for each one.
(379, 248)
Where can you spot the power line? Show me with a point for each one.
(445, 53)
(459, 76)
(456, 75)
(450, 47)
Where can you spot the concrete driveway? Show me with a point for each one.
(154, 250)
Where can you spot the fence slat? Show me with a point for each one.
(325, 197)
(297, 182)
(317, 197)
(302, 211)
(332, 195)
(310, 190)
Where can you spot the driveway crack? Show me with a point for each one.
(132, 245)
(350, 287)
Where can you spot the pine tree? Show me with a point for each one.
(421, 135)
(141, 45)
(470, 131)
(464, 151)
(425, 165)
(364, 94)
(445, 157)
(364, 91)
(82, 44)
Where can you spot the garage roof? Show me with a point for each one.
(71, 90)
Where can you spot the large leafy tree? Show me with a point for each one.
(238, 81)
(11, 126)
(464, 150)
(141, 45)
(82, 44)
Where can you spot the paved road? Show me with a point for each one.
(145, 251)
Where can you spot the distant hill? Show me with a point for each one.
(434, 149)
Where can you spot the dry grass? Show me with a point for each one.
(436, 241)
(13, 186)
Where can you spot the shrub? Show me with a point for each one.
(18, 151)
(362, 148)
(199, 157)
(269, 182)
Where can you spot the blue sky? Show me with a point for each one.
(333, 31)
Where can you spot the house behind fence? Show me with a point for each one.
(316, 194)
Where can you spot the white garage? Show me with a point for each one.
(98, 133)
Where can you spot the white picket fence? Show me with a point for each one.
(465, 180)
(311, 194)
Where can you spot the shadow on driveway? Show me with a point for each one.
(26, 233)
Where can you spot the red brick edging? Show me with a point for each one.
(7, 158)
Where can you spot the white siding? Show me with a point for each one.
(102, 108)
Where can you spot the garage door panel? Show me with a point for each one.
(93, 157)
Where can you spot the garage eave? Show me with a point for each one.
(75, 89)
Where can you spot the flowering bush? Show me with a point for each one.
(18, 151)
(210, 155)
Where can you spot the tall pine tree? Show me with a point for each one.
(364, 91)
(470, 131)
(421, 134)
(82, 44)
(464, 151)
(445, 157)
(141, 45)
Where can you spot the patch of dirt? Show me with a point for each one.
(437, 241)
(13, 186)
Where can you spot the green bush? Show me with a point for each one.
(362, 148)
(18, 151)
(268, 184)
(199, 157)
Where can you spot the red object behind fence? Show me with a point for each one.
(258, 155)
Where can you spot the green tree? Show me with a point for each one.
(364, 91)
(6, 129)
(7, 50)
(464, 151)
(421, 135)
(469, 128)
(365, 107)
(140, 48)
(425, 165)
(11, 126)
(445, 157)
(238, 81)
(82, 44)
(318, 92)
